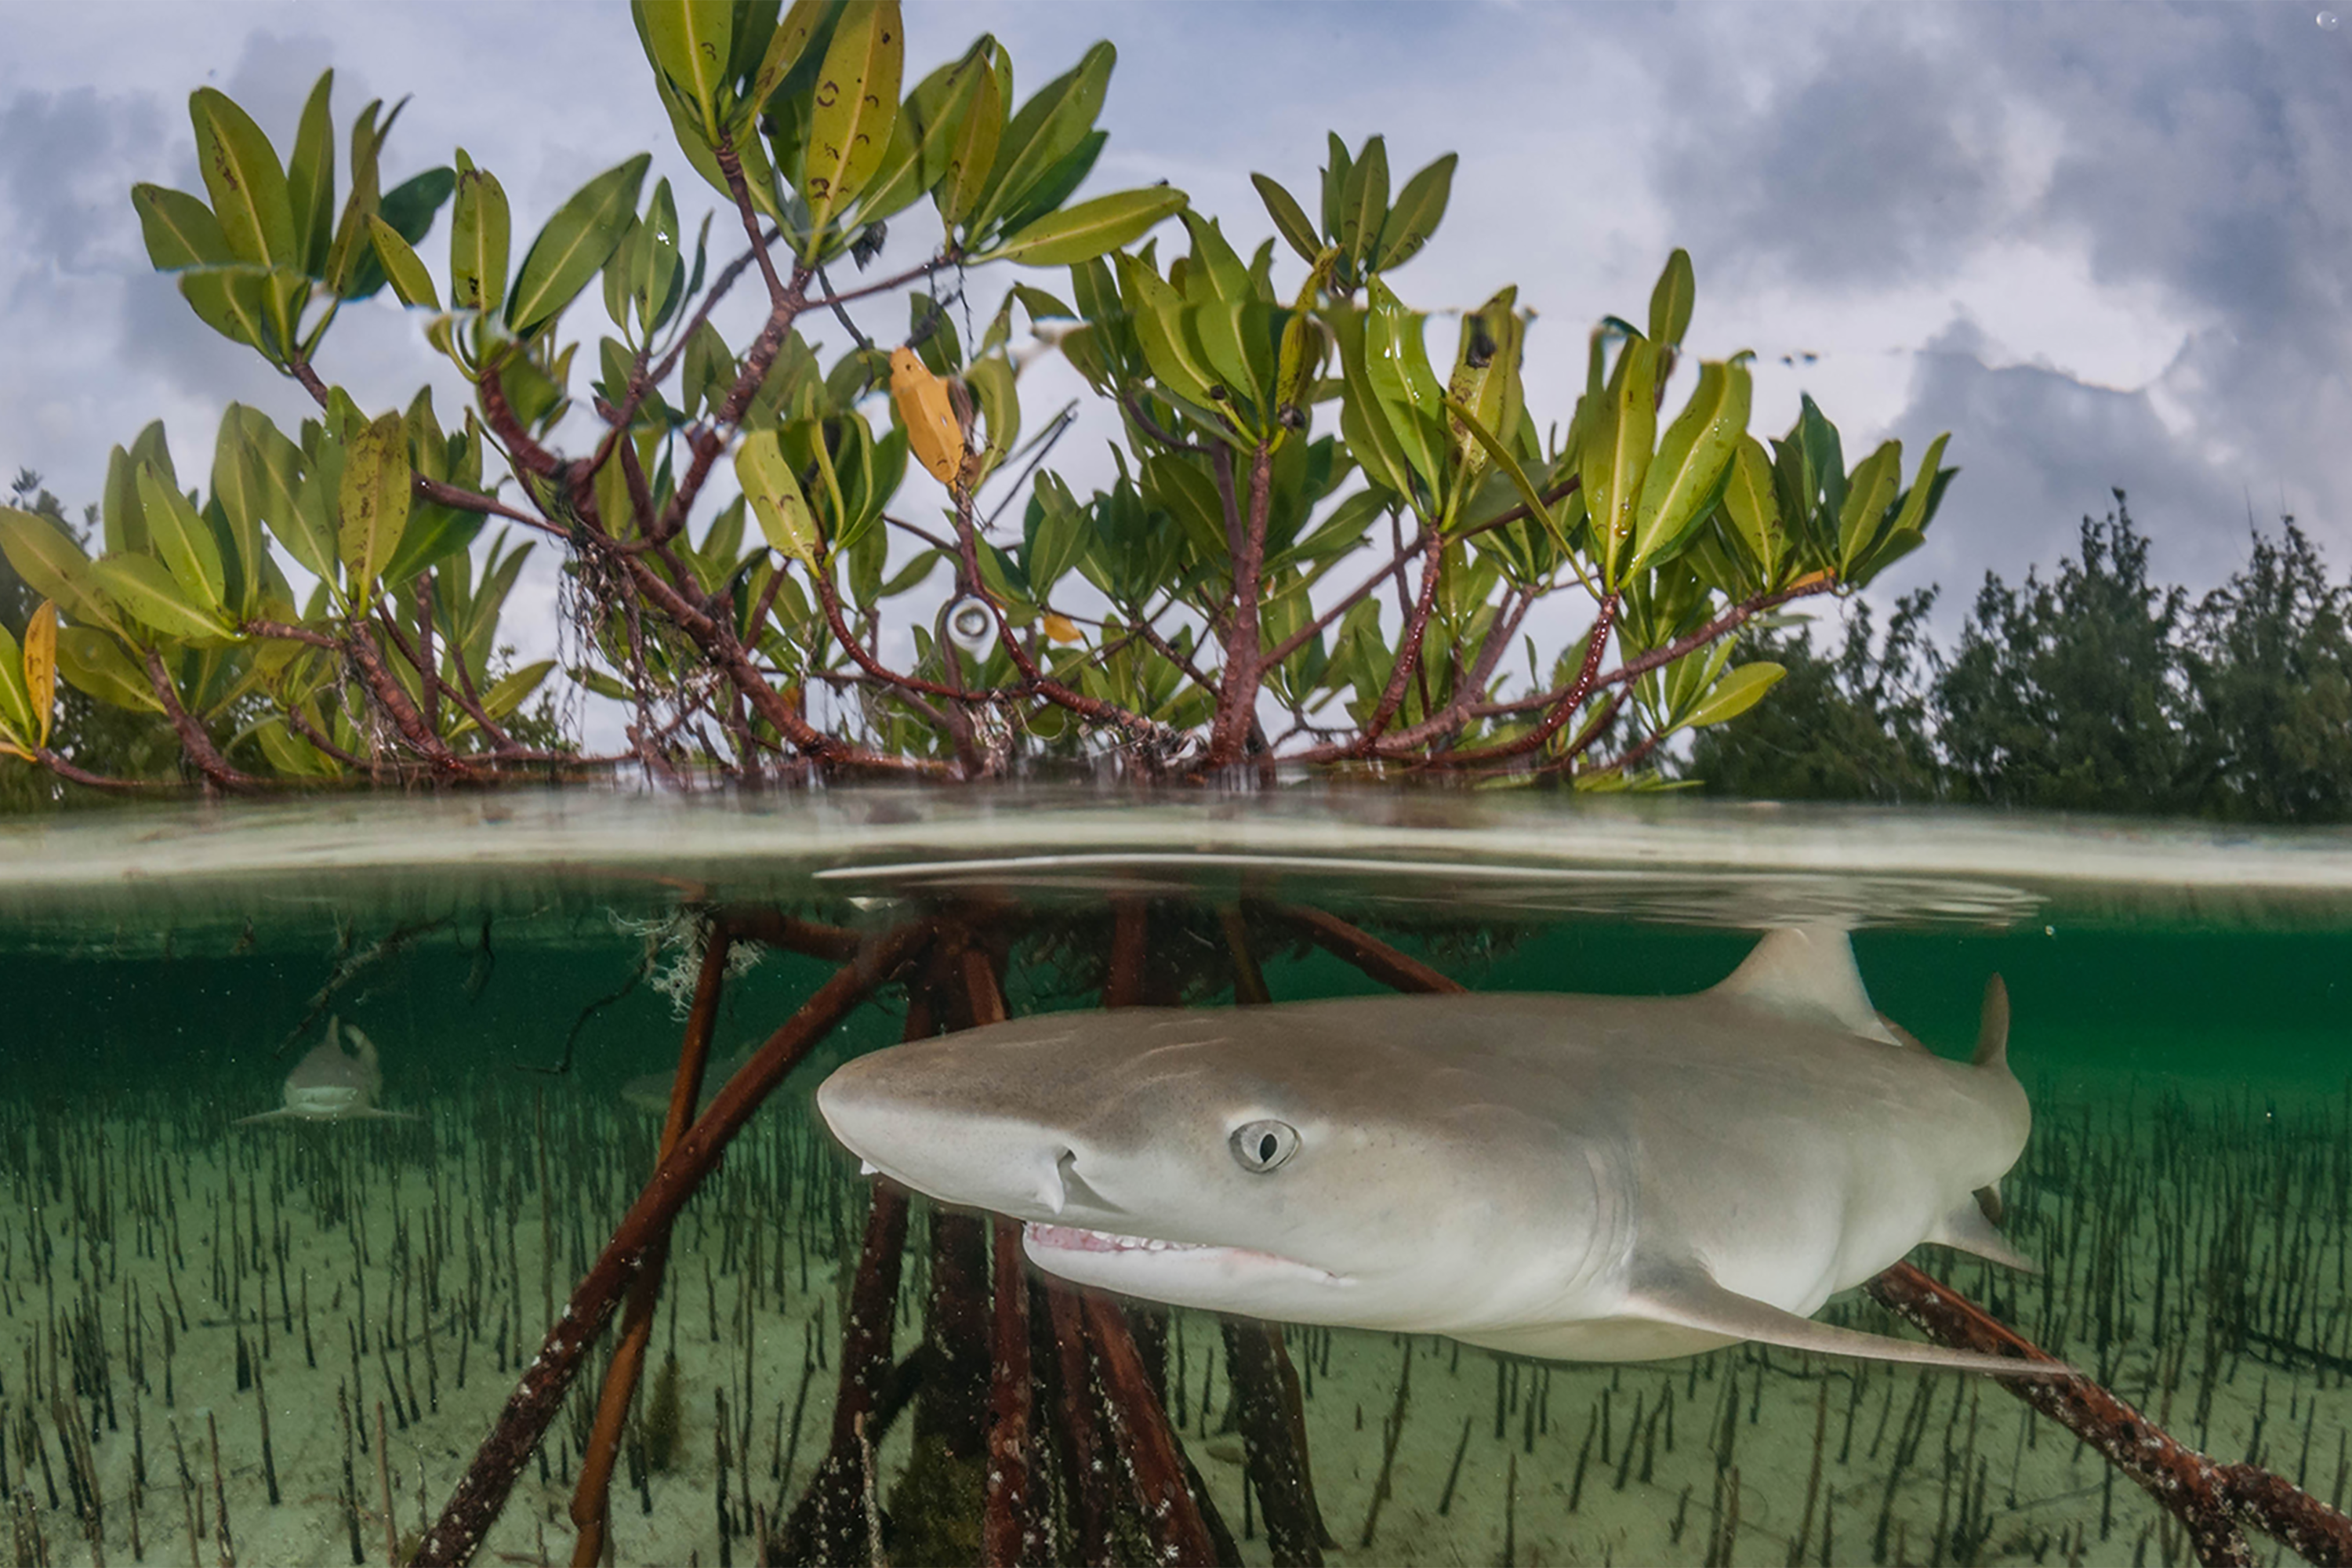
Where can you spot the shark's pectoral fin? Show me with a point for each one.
(1689, 1298)
(1967, 1229)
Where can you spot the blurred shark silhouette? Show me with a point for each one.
(334, 1084)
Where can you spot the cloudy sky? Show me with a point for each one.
(2103, 243)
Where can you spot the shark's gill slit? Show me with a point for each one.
(1057, 1186)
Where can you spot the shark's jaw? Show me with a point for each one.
(1195, 1274)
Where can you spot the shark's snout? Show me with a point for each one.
(939, 1144)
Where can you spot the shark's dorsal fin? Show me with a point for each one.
(1689, 1297)
(1808, 972)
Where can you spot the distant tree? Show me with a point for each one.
(1850, 724)
(2095, 690)
(2269, 666)
(2068, 693)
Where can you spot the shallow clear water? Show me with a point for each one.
(2183, 1020)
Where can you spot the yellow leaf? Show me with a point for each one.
(41, 667)
(933, 433)
(1061, 629)
(8, 749)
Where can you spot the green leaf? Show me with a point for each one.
(784, 48)
(1290, 219)
(181, 540)
(403, 266)
(1215, 331)
(1735, 694)
(1753, 509)
(1397, 369)
(1056, 531)
(1614, 457)
(272, 470)
(1908, 528)
(1045, 130)
(46, 556)
(1824, 457)
(1153, 307)
(689, 41)
(235, 302)
(1179, 484)
(1920, 501)
(351, 231)
(1363, 424)
(962, 123)
(373, 502)
(510, 690)
(478, 240)
(95, 664)
(1691, 460)
(1364, 205)
(1670, 301)
(247, 182)
(774, 492)
(1089, 229)
(434, 535)
(1419, 208)
(409, 208)
(574, 246)
(290, 754)
(1503, 458)
(236, 490)
(1335, 183)
(179, 230)
(311, 179)
(146, 591)
(1056, 184)
(122, 514)
(856, 104)
(918, 138)
(709, 370)
(1486, 376)
(999, 407)
(17, 725)
(1869, 492)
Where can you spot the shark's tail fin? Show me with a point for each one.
(1993, 1028)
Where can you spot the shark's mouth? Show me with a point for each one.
(1077, 1238)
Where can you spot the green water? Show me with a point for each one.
(2183, 1020)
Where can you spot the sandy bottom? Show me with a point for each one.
(410, 1266)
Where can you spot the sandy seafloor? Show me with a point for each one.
(136, 1205)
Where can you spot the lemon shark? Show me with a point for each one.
(333, 1083)
(1584, 1178)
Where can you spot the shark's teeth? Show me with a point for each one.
(1077, 1238)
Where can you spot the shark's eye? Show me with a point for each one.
(1260, 1146)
